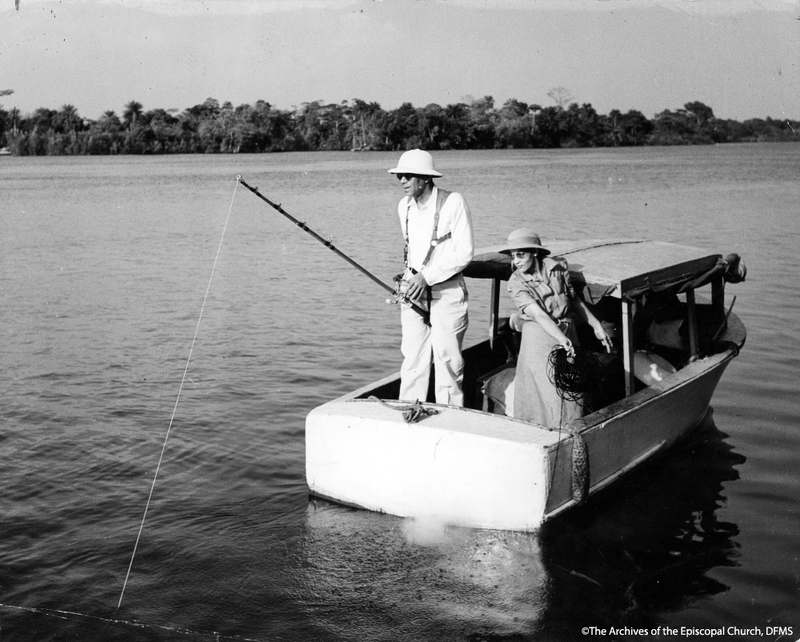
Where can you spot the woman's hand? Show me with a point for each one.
(568, 347)
(602, 337)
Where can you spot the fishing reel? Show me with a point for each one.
(399, 297)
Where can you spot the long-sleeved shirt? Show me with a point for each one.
(449, 257)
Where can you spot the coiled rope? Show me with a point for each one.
(412, 413)
(574, 377)
(178, 398)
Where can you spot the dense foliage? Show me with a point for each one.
(212, 127)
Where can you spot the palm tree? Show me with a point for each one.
(132, 111)
(109, 121)
(14, 119)
(68, 117)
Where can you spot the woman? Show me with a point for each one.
(540, 288)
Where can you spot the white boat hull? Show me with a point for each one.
(460, 466)
(482, 470)
(474, 468)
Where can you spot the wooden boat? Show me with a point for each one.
(476, 466)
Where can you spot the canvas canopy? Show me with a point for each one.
(623, 269)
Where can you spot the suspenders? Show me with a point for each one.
(441, 197)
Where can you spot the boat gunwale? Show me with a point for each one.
(632, 403)
(593, 420)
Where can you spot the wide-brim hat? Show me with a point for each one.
(416, 161)
(523, 238)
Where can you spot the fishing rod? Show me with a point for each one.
(397, 296)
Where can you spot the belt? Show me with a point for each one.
(449, 280)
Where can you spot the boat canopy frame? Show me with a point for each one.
(626, 270)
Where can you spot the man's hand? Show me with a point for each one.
(416, 286)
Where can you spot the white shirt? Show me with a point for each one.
(450, 256)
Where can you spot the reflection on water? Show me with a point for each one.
(651, 541)
(375, 577)
(644, 548)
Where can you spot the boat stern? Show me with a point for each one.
(458, 466)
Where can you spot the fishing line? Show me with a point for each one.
(74, 615)
(178, 398)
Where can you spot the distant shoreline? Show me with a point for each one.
(214, 128)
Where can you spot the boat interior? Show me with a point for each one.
(657, 323)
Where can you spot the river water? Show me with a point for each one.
(105, 266)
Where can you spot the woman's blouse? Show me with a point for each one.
(549, 289)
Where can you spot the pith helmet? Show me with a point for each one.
(415, 161)
(524, 238)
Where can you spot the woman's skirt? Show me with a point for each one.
(535, 397)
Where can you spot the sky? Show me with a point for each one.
(739, 57)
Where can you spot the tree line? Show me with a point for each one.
(212, 127)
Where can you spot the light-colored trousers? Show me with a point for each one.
(441, 341)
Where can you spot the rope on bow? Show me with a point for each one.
(411, 413)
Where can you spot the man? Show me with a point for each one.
(439, 244)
